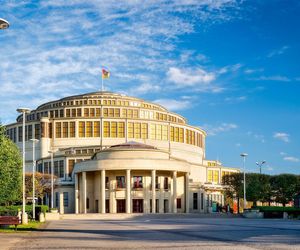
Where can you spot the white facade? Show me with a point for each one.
(153, 143)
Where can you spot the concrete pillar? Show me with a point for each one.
(61, 202)
(128, 192)
(153, 178)
(83, 200)
(76, 194)
(174, 192)
(102, 191)
(187, 198)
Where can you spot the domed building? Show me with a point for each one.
(118, 154)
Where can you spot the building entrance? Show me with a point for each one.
(121, 206)
(137, 205)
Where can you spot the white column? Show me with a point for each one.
(102, 187)
(128, 192)
(61, 202)
(76, 194)
(153, 178)
(83, 180)
(187, 198)
(174, 193)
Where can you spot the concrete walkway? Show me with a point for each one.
(164, 232)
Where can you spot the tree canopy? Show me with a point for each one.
(10, 170)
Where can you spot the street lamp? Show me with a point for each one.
(23, 111)
(34, 141)
(51, 152)
(3, 24)
(244, 155)
(260, 164)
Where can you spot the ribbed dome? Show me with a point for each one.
(132, 145)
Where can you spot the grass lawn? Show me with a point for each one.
(31, 226)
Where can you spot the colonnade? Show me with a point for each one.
(81, 194)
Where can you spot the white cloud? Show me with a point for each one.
(235, 99)
(189, 77)
(272, 78)
(174, 105)
(223, 127)
(252, 71)
(278, 52)
(283, 153)
(291, 159)
(282, 136)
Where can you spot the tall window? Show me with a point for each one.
(144, 130)
(178, 202)
(172, 133)
(210, 176)
(66, 199)
(58, 129)
(181, 135)
(89, 128)
(65, 129)
(37, 129)
(106, 129)
(96, 129)
(29, 132)
(137, 130)
(72, 129)
(176, 134)
(98, 112)
(121, 129)
(56, 169)
(73, 112)
(202, 201)
(81, 129)
(79, 112)
(113, 132)
(130, 130)
(61, 169)
(158, 132)
(165, 133)
(92, 112)
(152, 131)
(137, 182)
(120, 181)
(86, 112)
(106, 182)
(166, 183)
(216, 176)
(71, 164)
(195, 201)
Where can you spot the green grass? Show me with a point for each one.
(277, 209)
(31, 226)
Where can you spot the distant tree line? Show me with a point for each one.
(261, 187)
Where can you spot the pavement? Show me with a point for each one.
(161, 232)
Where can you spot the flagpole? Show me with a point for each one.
(102, 82)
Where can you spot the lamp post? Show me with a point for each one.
(23, 111)
(260, 165)
(51, 152)
(3, 24)
(34, 141)
(244, 155)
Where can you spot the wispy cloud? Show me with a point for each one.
(252, 71)
(223, 127)
(282, 136)
(174, 105)
(291, 159)
(278, 52)
(272, 78)
(57, 47)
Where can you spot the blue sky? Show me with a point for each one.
(230, 67)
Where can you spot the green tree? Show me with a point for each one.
(10, 170)
(284, 187)
(257, 187)
(234, 186)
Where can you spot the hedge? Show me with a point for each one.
(277, 209)
(13, 210)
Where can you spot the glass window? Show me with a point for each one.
(97, 129)
(130, 130)
(65, 129)
(216, 176)
(72, 129)
(113, 132)
(181, 135)
(37, 131)
(129, 113)
(164, 132)
(71, 164)
(29, 132)
(81, 129)
(121, 130)
(92, 112)
(106, 129)
(73, 112)
(166, 183)
(110, 112)
(79, 112)
(86, 112)
(56, 169)
(137, 182)
(58, 129)
(158, 132)
(67, 113)
(98, 113)
(152, 131)
(120, 181)
(144, 131)
(195, 201)
(172, 133)
(66, 199)
(117, 112)
(178, 202)
(135, 113)
(105, 112)
(210, 176)
(89, 129)
(61, 169)
(137, 130)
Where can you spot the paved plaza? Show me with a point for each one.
(161, 232)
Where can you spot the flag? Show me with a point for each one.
(105, 74)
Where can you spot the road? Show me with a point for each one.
(165, 232)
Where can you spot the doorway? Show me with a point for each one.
(121, 206)
(137, 205)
